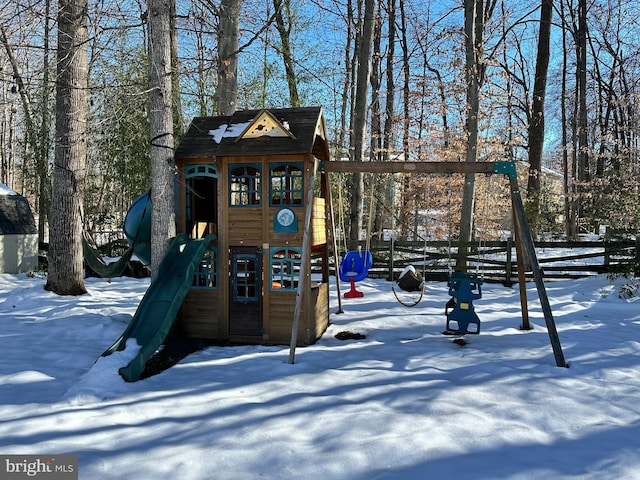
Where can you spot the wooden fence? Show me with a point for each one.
(496, 261)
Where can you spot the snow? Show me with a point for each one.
(4, 190)
(403, 403)
(228, 131)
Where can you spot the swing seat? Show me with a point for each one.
(410, 280)
(461, 316)
(355, 265)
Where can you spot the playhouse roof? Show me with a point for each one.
(256, 132)
(15, 214)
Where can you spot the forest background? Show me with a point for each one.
(551, 84)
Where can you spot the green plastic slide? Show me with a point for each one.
(159, 307)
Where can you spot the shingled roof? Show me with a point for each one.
(209, 137)
(15, 215)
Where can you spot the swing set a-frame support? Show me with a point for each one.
(525, 248)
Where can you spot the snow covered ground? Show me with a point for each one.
(403, 403)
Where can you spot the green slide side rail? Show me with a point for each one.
(159, 307)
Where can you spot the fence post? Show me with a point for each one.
(508, 267)
(391, 251)
(638, 248)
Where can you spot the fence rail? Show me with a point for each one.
(496, 261)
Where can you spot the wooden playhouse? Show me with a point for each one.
(253, 179)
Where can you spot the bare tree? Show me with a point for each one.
(389, 114)
(178, 120)
(65, 276)
(583, 157)
(349, 74)
(36, 139)
(42, 153)
(476, 14)
(613, 132)
(568, 164)
(228, 38)
(24, 93)
(581, 104)
(375, 137)
(536, 126)
(578, 171)
(161, 129)
(283, 16)
(406, 87)
(360, 114)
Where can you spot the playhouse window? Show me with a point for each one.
(287, 184)
(244, 183)
(201, 171)
(285, 268)
(201, 199)
(206, 276)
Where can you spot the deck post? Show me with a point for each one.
(508, 265)
(392, 245)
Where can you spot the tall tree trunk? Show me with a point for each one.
(568, 184)
(228, 38)
(348, 75)
(509, 143)
(43, 152)
(163, 226)
(536, 127)
(473, 27)
(282, 8)
(178, 119)
(476, 14)
(581, 79)
(406, 195)
(375, 138)
(345, 107)
(65, 219)
(359, 121)
(389, 110)
(390, 80)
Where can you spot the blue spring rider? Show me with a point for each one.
(354, 267)
(461, 316)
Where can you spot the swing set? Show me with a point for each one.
(463, 287)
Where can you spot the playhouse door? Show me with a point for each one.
(245, 303)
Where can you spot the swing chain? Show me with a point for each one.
(482, 241)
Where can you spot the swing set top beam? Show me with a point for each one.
(503, 168)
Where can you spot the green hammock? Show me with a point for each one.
(94, 259)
